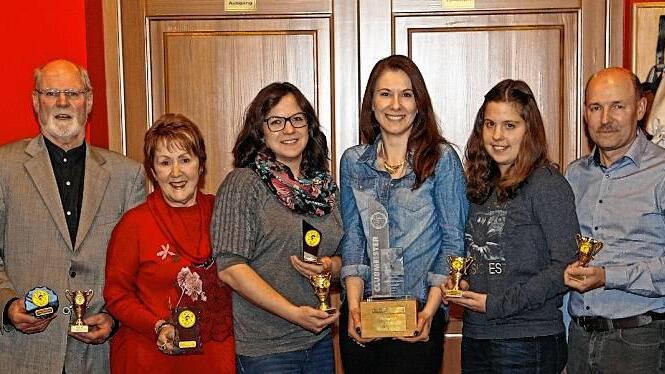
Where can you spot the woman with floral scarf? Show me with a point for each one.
(278, 202)
(161, 282)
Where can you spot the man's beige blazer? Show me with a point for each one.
(36, 250)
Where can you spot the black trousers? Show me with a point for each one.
(390, 355)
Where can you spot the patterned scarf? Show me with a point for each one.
(314, 196)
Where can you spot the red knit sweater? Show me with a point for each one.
(142, 263)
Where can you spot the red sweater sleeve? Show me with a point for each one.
(122, 268)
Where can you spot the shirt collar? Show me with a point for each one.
(369, 156)
(633, 154)
(58, 154)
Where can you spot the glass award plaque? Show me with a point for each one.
(388, 312)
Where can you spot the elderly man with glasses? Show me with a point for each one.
(60, 198)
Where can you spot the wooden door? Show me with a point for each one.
(195, 58)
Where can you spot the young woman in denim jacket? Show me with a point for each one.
(415, 174)
(521, 233)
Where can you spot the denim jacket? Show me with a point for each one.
(427, 223)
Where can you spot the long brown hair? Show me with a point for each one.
(250, 139)
(482, 171)
(425, 138)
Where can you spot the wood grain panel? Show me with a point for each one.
(192, 8)
(530, 47)
(211, 74)
(645, 36)
(430, 6)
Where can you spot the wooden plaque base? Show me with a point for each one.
(385, 318)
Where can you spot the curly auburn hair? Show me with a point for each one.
(483, 175)
(425, 138)
(250, 139)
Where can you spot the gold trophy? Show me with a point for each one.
(80, 300)
(321, 284)
(458, 267)
(311, 239)
(587, 248)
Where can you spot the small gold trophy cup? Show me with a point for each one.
(458, 267)
(587, 248)
(80, 300)
(321, 284)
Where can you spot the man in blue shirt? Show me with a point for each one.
(617, 304)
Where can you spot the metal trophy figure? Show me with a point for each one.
(321, 284)
(458, 267)
(80, 300)
(388, 312)
(587, 248)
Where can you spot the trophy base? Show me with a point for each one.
(44, 312)
(330, 310)
(78, 328)
(187, 322)
(579, 277)
(453, 293)
(387, 318)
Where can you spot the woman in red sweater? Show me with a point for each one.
(159, 261)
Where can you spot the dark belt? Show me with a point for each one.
(590, 324)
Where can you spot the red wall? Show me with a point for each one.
(35, 32)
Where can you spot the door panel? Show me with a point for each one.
(530, 47)
(211, 70)
(194, 58)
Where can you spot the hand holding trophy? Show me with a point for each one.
(458, 267)
(587, 249)
(79, 305)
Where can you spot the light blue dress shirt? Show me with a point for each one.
(623, 206)
(427, 223)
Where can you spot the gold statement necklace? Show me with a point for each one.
(391, 169)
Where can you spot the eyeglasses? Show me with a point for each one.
(70, 93)
(277, 123)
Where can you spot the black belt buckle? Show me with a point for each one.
(591, 324)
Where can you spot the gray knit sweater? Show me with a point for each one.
(250, 226)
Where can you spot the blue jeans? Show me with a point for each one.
(533, 355)
(639, 350)
(318, 359)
